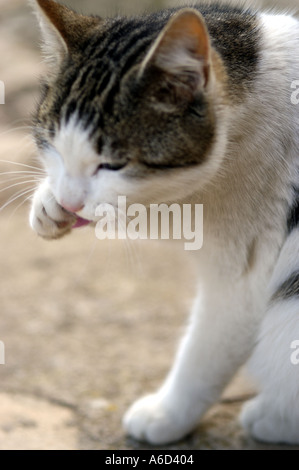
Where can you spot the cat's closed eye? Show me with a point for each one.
(111, 166)
(115, 166)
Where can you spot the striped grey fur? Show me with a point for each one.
(97, 84)
(293, 216)
(289, 289)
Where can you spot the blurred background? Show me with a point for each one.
(88, 327)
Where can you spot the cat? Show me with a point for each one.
(189, 104)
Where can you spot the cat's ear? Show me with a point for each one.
(63, 30)
(182, 50)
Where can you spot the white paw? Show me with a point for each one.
(47, 218)
(150, 420)
(267, 423)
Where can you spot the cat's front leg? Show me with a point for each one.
(219, 340)
(47, 218)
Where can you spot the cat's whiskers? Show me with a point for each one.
(25, 173)
(130, 246)
(25, 128)
(28, 198)
(18, 177)
(11, 182)
(18, 184)
(50, 199)
(16, 196)
(16, 129)
(21, 120)
(24, 165)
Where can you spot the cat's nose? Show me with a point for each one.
(74, 208)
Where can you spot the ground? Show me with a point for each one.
(88, 326)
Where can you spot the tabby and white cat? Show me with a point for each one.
(189, 105)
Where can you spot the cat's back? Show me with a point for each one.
(254, 46)
(235, 34)
(246, 40)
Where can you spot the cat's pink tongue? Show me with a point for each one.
(81, 223)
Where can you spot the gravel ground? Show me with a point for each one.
(88, 326)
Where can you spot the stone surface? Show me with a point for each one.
(28, 423)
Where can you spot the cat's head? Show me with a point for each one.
(131, 107)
